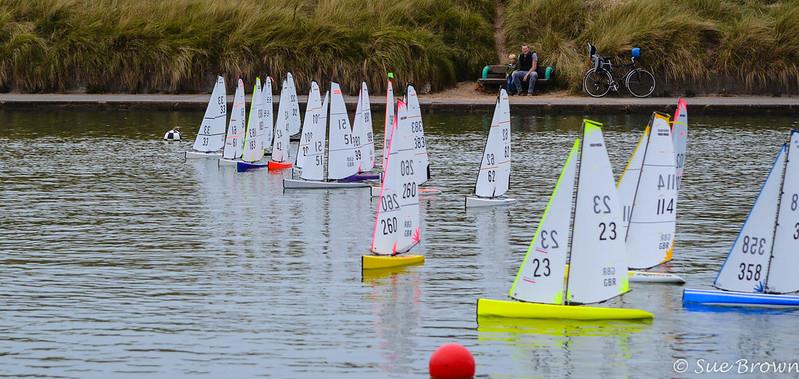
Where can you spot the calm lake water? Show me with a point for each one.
(117, 258)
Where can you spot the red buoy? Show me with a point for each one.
(451, 361)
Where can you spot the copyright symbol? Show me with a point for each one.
(680, 366)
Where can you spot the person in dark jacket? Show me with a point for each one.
(525, 72)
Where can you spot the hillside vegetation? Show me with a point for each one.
(712, 44)
(180, 45)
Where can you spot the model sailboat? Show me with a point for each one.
(493, 179)
(254, 140)
(396, 229)
(417, 132)
(595, 251)
(648, 192)
(761, 265)
(268, 118)
(341, 149)
(211, 137)
(363, 138)
(234, 140)
(280, 145)
(294, 121)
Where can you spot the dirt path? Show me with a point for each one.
(499, 35)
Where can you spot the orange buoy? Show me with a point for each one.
(451, 361)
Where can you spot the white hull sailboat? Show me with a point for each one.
(363, 138)
(590, 244)
(493, 180)
(760, 269)
(234, 140)
(649, 189)
(396, 229)
(341, 149)
(294, 122)
(211, 137)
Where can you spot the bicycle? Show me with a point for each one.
(599, 80)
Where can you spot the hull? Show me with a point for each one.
(279, 165)
(361, 177)
(429, 191)
(202, 155)
(716, 297)
(312, 184)
(517, 309)
(475, 202)
(654, 277)
(382, 262)
(242, 166)
(227, 162)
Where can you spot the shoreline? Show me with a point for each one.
(478, 103)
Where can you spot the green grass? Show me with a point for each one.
(755, 43)
(179, 46)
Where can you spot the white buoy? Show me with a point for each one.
(173, 135)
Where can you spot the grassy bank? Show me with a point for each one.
(750, 44)
(180, 45)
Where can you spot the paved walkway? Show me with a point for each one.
(433, 103)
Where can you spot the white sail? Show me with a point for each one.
(269, 118)
(211, 136)
(312, 114)
(540, 277)
(234, 145)
(389, 121)
(628, 182)
(253, 141)
(747, 262)
(314, 133)
(653, 218)
(417, 128)
(598, 261)
(679, 134)
(294, 106)
(387, 220)
(494, 176)
(362, 132)
(782, 276)
(341, 150)
(280, 145)
(397, 222)
(410, 233)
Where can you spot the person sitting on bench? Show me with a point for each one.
(527, 64)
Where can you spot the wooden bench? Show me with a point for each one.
(496, 77)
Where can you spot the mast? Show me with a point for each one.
(777, 215)
(572, 217)
(638, 182)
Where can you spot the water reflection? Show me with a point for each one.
(118, 257)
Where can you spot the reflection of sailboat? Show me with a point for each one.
(341, 156)
(596, 252)
(211, 136)
(394, 302)
(493, 179)
(761, 266)
(396, 229)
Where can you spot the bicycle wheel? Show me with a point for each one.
(640, 82)
(597, 84)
